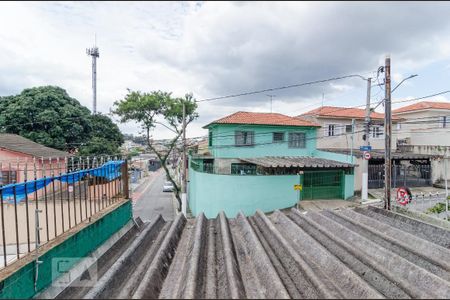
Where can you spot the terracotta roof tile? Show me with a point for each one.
(342, 112)
(423, 105)
(242, 117)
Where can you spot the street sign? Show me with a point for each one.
(367, 155)
(298, 187)
(403, 196)
(365, 148)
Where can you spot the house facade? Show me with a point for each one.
(425, 130)
(254, 160)
(338, 135)
(22, 159)
(336, 127)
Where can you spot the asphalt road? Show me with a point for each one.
(150, 200)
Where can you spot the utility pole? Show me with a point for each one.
(446, 183)
(387, 135)
(353, 138)
(183, 176)
(94, 53)
(271, 96)
(365, 176)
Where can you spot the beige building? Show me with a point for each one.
(336, 135)
(336, 131)
(425, 129)
(424, 124)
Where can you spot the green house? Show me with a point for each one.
(264, 161)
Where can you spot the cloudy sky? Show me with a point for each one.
(216, 49)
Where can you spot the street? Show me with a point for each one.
(149, 200)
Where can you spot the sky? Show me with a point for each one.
(213, 49)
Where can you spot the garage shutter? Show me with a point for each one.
(323, 185)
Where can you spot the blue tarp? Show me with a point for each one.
(109, 171)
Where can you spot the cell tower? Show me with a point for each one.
(95, 54)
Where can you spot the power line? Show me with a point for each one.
(280, 88)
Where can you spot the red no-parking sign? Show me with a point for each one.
(403, 195)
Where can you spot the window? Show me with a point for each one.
(278, 137)
(445, 122)
(7, 177)
(348, 128)
(210, 140)
(331, 129)
(244, 138)
(377, 132)
(243, 169)
(399, 126)
(297, 140)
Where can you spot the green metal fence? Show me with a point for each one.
(323, 185)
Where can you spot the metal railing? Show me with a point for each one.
(43, 198)
(431, 203)
(402, 175)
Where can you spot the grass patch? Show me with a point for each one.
(437, 209)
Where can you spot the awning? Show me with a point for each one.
(380, 154)
(296, 161)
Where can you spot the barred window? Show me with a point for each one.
(278, 136)
(244, 138)
(7, 177)
(243, 169)
(297, 140)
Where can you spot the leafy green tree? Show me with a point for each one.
(147, 108)
(49, 116)
(46, 115)
(106, 137)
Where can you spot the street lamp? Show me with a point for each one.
(409, 77)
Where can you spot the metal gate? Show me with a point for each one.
(323, 185)
(402, 175)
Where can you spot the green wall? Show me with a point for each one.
(223, 141)
(349, 185)
(21, 283)
(212, 193)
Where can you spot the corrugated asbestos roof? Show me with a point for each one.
(380, 154)
(360, 253)
(421, 106)
(17, 143)
(254, 118)
(296, 161)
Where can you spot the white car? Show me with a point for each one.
(168, 186)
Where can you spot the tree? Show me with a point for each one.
(49, 116)
(106, 137)
(147, 108)
(46, 115)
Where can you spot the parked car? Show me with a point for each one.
(168, 186)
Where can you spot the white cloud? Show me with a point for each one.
(214, 49)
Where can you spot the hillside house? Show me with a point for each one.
(254, 160)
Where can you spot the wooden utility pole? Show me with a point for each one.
(387, 135)
(183, 186)
(365, 176)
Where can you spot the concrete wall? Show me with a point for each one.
(212, 193)
(223, 144)
(428, 132)
(20, 284)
